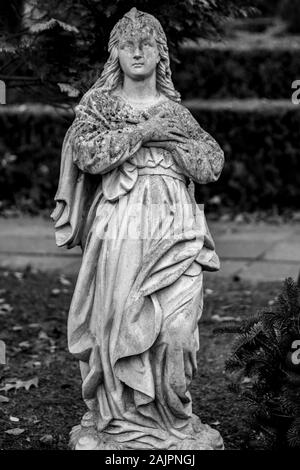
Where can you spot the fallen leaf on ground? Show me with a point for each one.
(15, 431)
(43, 335)
(24, 344)
(226, 307)
(14, 419)
(246, 380)
(17, 328)
(3, 399)
(46, 439)
(64, 281)
(208, 291)
(34, 325)
(19, 275)
(20, 384)
(5, 308)
(55, 291)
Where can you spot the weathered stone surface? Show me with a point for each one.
(202, 437)
(123, 197)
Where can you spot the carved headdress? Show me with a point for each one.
(134, 22)
(137, 21)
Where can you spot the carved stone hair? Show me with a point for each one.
(132, 21)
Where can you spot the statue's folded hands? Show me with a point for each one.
(198, 155)
(162, 127)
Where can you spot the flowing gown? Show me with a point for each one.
(133, 320)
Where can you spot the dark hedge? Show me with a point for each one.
(289, 10)
(261, 143)
(30, 145)
(219, 73)
(262, 149)
(237, 70)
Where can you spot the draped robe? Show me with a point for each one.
(133, 320)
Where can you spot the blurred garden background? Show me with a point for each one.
(234, 63)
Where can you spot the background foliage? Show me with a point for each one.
(262, 149)
(66, 42)
(238, 73)
(263, 352)
(30, 160)
(289, 10)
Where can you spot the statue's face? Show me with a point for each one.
(138, 55)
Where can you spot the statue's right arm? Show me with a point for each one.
(97, 148)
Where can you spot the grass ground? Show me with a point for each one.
(35, 335)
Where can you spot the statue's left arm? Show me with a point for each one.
(199, 156)
(195, 151)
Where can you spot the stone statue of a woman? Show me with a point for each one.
(133, 324)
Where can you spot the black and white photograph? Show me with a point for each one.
(149, 228)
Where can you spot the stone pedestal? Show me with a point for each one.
(199, 437)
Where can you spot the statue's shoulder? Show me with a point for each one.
(180, 110)
(96, 101)
(95, 96)
(186, 118)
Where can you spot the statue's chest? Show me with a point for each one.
(125, 115)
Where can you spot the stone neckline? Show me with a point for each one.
(164, 99)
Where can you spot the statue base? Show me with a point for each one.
(201, 437)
